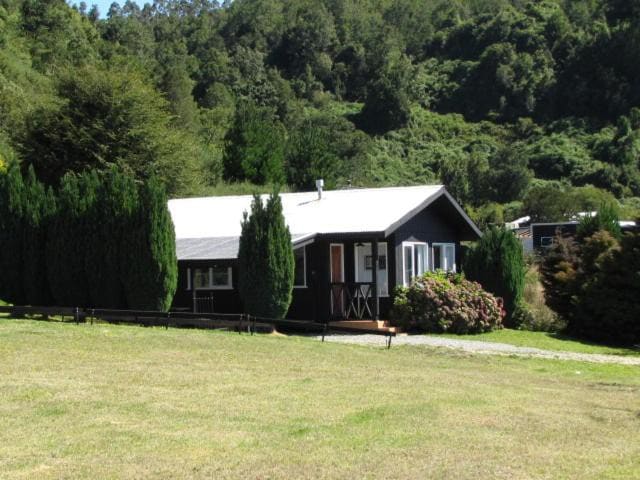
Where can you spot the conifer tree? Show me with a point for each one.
(69, 238)
(497, 263)
(149, 266)
(116, 200)
(266, 260)
(11, 227)
(38, 209)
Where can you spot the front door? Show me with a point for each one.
(336, 266)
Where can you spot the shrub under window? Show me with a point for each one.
(444, 302)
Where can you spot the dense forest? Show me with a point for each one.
(517, 106)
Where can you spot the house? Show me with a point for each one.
(352, 247)
(542, 234)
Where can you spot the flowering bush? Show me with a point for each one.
(441, 302)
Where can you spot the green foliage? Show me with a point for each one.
(607, 308)
(559, 270)
(386, 104)
(440, 302)
(265, 260)
(109, 117)
(38, 208)
(477, 95)
(148, 263)
(496, 261)
(533, 313)
(553, 202)
(116, 200)
(606, 218)
(255, 146)
(12, 205)
(310, 156)
(69, 239)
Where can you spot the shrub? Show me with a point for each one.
(496, 261)
(440, 302)
(533, 313)
(607, 307)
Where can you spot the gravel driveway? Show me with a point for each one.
(475, 346)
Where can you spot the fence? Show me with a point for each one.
(237, 322)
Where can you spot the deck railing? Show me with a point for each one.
(351, 301)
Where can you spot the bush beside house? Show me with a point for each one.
(497, 262)
(439, 302)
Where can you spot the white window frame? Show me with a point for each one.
(386, 254)
(407, 281)
(443, 246)
(304, 256)
(211, 286)
(549, 245)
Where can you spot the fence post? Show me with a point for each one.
(76, 314)
(324, 330)
(388, 342)
(166, 325)
(93, 314)
(240, 324)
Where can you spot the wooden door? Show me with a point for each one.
(336, 265)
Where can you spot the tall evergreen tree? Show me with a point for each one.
(149, 266)
(115, 201)
(69, 238)
(255, 147)
(38, 208)
(11, 228)
(265, 260)
(497, 263)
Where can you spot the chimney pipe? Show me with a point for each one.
(320, 186)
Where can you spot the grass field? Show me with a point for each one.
(108, 401)
(545, 341)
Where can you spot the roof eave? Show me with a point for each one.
(428, 201)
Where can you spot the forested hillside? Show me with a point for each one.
(517, 106)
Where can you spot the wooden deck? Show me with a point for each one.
(379, 325)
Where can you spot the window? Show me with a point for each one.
(213, 278)
(444, 257)
(201, 278)
(546, 242)
(300, 277)
(364, 266)
(414, 260)
(220, 277)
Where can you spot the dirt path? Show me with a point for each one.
(487, 348)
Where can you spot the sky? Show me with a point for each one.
(103, 5)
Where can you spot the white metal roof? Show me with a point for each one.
(339, 211)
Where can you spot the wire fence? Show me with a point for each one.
(239, 322)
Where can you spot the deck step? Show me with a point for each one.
(381, 325)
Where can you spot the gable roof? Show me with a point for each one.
(209, 227)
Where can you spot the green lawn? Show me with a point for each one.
(107, 401)
(545, 341)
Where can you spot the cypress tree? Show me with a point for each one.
(11, 227)
(116, 199)
(149, 264)
(68, 239)
(38, 209)
(497, 263)
(266, 260)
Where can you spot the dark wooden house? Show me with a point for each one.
(352, 247)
